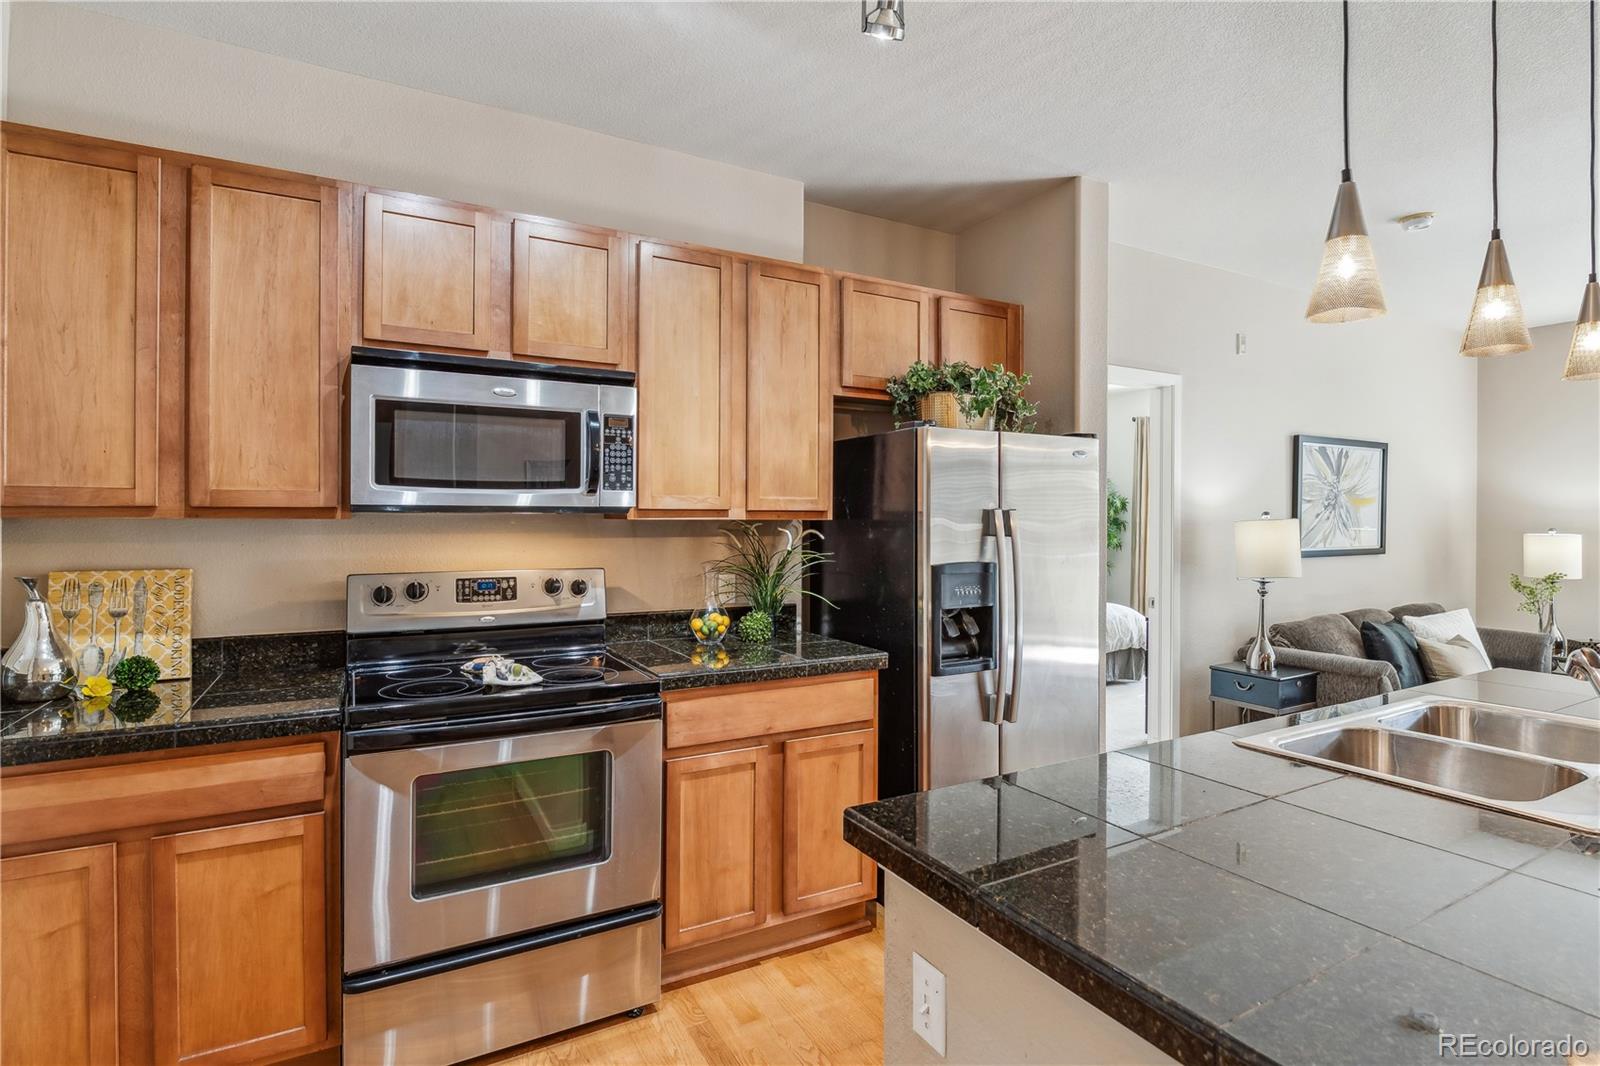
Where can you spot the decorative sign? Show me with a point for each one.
(108, 615)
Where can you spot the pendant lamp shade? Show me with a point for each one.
(1583, 358)
(1497, 326)
(1347, 287)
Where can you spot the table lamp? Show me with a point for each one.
(1264, 550)
(1549, 553)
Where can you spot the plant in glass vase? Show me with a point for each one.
(765, 576)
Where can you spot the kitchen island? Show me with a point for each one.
(1195, 901)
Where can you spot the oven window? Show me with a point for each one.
(473, 446)
(494, 824)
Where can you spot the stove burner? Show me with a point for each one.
(576, 675)
(413, 690)
(419, 673)
(553, 662)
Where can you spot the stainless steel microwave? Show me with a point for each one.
(433, 432)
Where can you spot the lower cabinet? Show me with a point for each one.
(757, 781)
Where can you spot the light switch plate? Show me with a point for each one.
(927, 1002)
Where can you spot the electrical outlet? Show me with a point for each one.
(1238, 344)
(927, 1002)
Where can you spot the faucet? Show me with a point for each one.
(1585, 665)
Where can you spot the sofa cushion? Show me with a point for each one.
(1393, 643)
(1456, 657)
(1331, 633)
(1412, 609)
(1362, 615)
(1447, 625)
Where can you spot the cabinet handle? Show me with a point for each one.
(1244, 686)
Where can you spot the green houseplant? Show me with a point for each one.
(1538, 594)
(765, 576)
(963, 396)
(1116, 521)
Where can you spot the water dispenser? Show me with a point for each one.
(963, 618)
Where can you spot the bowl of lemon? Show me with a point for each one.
(709, 624)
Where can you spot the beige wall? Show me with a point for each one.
(1538, 467)
(1389, 379)
(76, 70)
(864, 244)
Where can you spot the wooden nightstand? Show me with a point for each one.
(1282, 691)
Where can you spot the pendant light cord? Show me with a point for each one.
(1591, 144)
(1347, 88)
(1494, 107)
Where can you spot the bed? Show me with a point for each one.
(1126, 632)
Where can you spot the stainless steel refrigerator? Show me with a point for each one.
(973, 559)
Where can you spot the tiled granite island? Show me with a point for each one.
(1196, 901)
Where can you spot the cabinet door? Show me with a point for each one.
(567, 293)
(427, 272)
(717, 837)
(58, 969)
(239, 944)
(263, 341)
(686, 365)
(821, 777)
(885, 328)
(980, 332)
(789, 411)
(79, 344)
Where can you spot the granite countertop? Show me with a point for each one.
(658, 643)
(1231, 906)
(243, 688)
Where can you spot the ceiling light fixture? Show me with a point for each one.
(1583, 359)
(1496, 326)
(884, 20)
(1347, 286)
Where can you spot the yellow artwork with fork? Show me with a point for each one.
(108, 615)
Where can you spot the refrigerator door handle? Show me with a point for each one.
(1014, 623)
(994, 526)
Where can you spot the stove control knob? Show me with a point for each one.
(416, 591)
(579, 586)
(382, 595)
(552, 586)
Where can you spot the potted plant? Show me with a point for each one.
(962, 396)
(765, 576)
(996, 394)
(1116, 521)
(1538, 596)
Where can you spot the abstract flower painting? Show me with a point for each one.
(1341, 495)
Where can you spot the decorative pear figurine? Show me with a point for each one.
(39, 665)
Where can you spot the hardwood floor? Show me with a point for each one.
(818, 1006)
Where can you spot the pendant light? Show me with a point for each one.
(1496, 326)
(1347, 286)
(884, 20)
(1583, 360)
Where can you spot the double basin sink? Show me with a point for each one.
(1529, 763)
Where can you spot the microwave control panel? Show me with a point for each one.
(486, 589)
(617, 454)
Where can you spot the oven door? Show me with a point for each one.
(489, 828)
(442, 440)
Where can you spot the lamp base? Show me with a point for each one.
(1261, 658)
(1547, 624)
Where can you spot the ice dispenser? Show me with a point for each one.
(963, 618)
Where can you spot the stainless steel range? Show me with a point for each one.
(502, 815)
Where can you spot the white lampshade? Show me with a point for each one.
(1266, 548)
(1552, 553)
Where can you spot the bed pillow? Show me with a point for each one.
(1456, 657)
(1393, 643)
(1446, 626)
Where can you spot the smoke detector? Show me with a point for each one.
(1417, 220)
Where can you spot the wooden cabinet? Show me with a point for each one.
(980, 332)
(264, 355)
(788, 402)
(427, 273)
(884, 328)
(224, 995)
(58, 972)
(686, 436)
(80, 340)
(757, 780)
(568, 295)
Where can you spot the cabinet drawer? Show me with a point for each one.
(1259, 690)
(102, 799)
(741, 711)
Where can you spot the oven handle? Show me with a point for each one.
(487, 727)
(591, 430)
(499, 949)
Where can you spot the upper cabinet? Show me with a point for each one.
(264, 353)
(788, 407)
(884, 329)
(980, 332)
(80, 341)
(568, 299)
(428, 273)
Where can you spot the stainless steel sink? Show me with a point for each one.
(1532, 763)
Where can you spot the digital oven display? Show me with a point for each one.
(485, 589)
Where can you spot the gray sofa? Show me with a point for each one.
(1331, 644)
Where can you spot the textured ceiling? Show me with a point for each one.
(1216, 124)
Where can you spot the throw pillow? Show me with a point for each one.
(1447, 625)
(1393, 643)
(1455, 657)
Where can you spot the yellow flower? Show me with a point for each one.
(95, 687)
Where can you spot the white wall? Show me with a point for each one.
(76, 70)
(863, 244)
(1538, 467)
(1122, 407)
(1389, 379)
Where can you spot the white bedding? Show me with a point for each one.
(1124, 627)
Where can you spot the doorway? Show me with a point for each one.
(1141, 669)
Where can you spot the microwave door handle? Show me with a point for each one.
(591, 436)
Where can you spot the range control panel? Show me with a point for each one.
(617, 454)
(461, 599)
